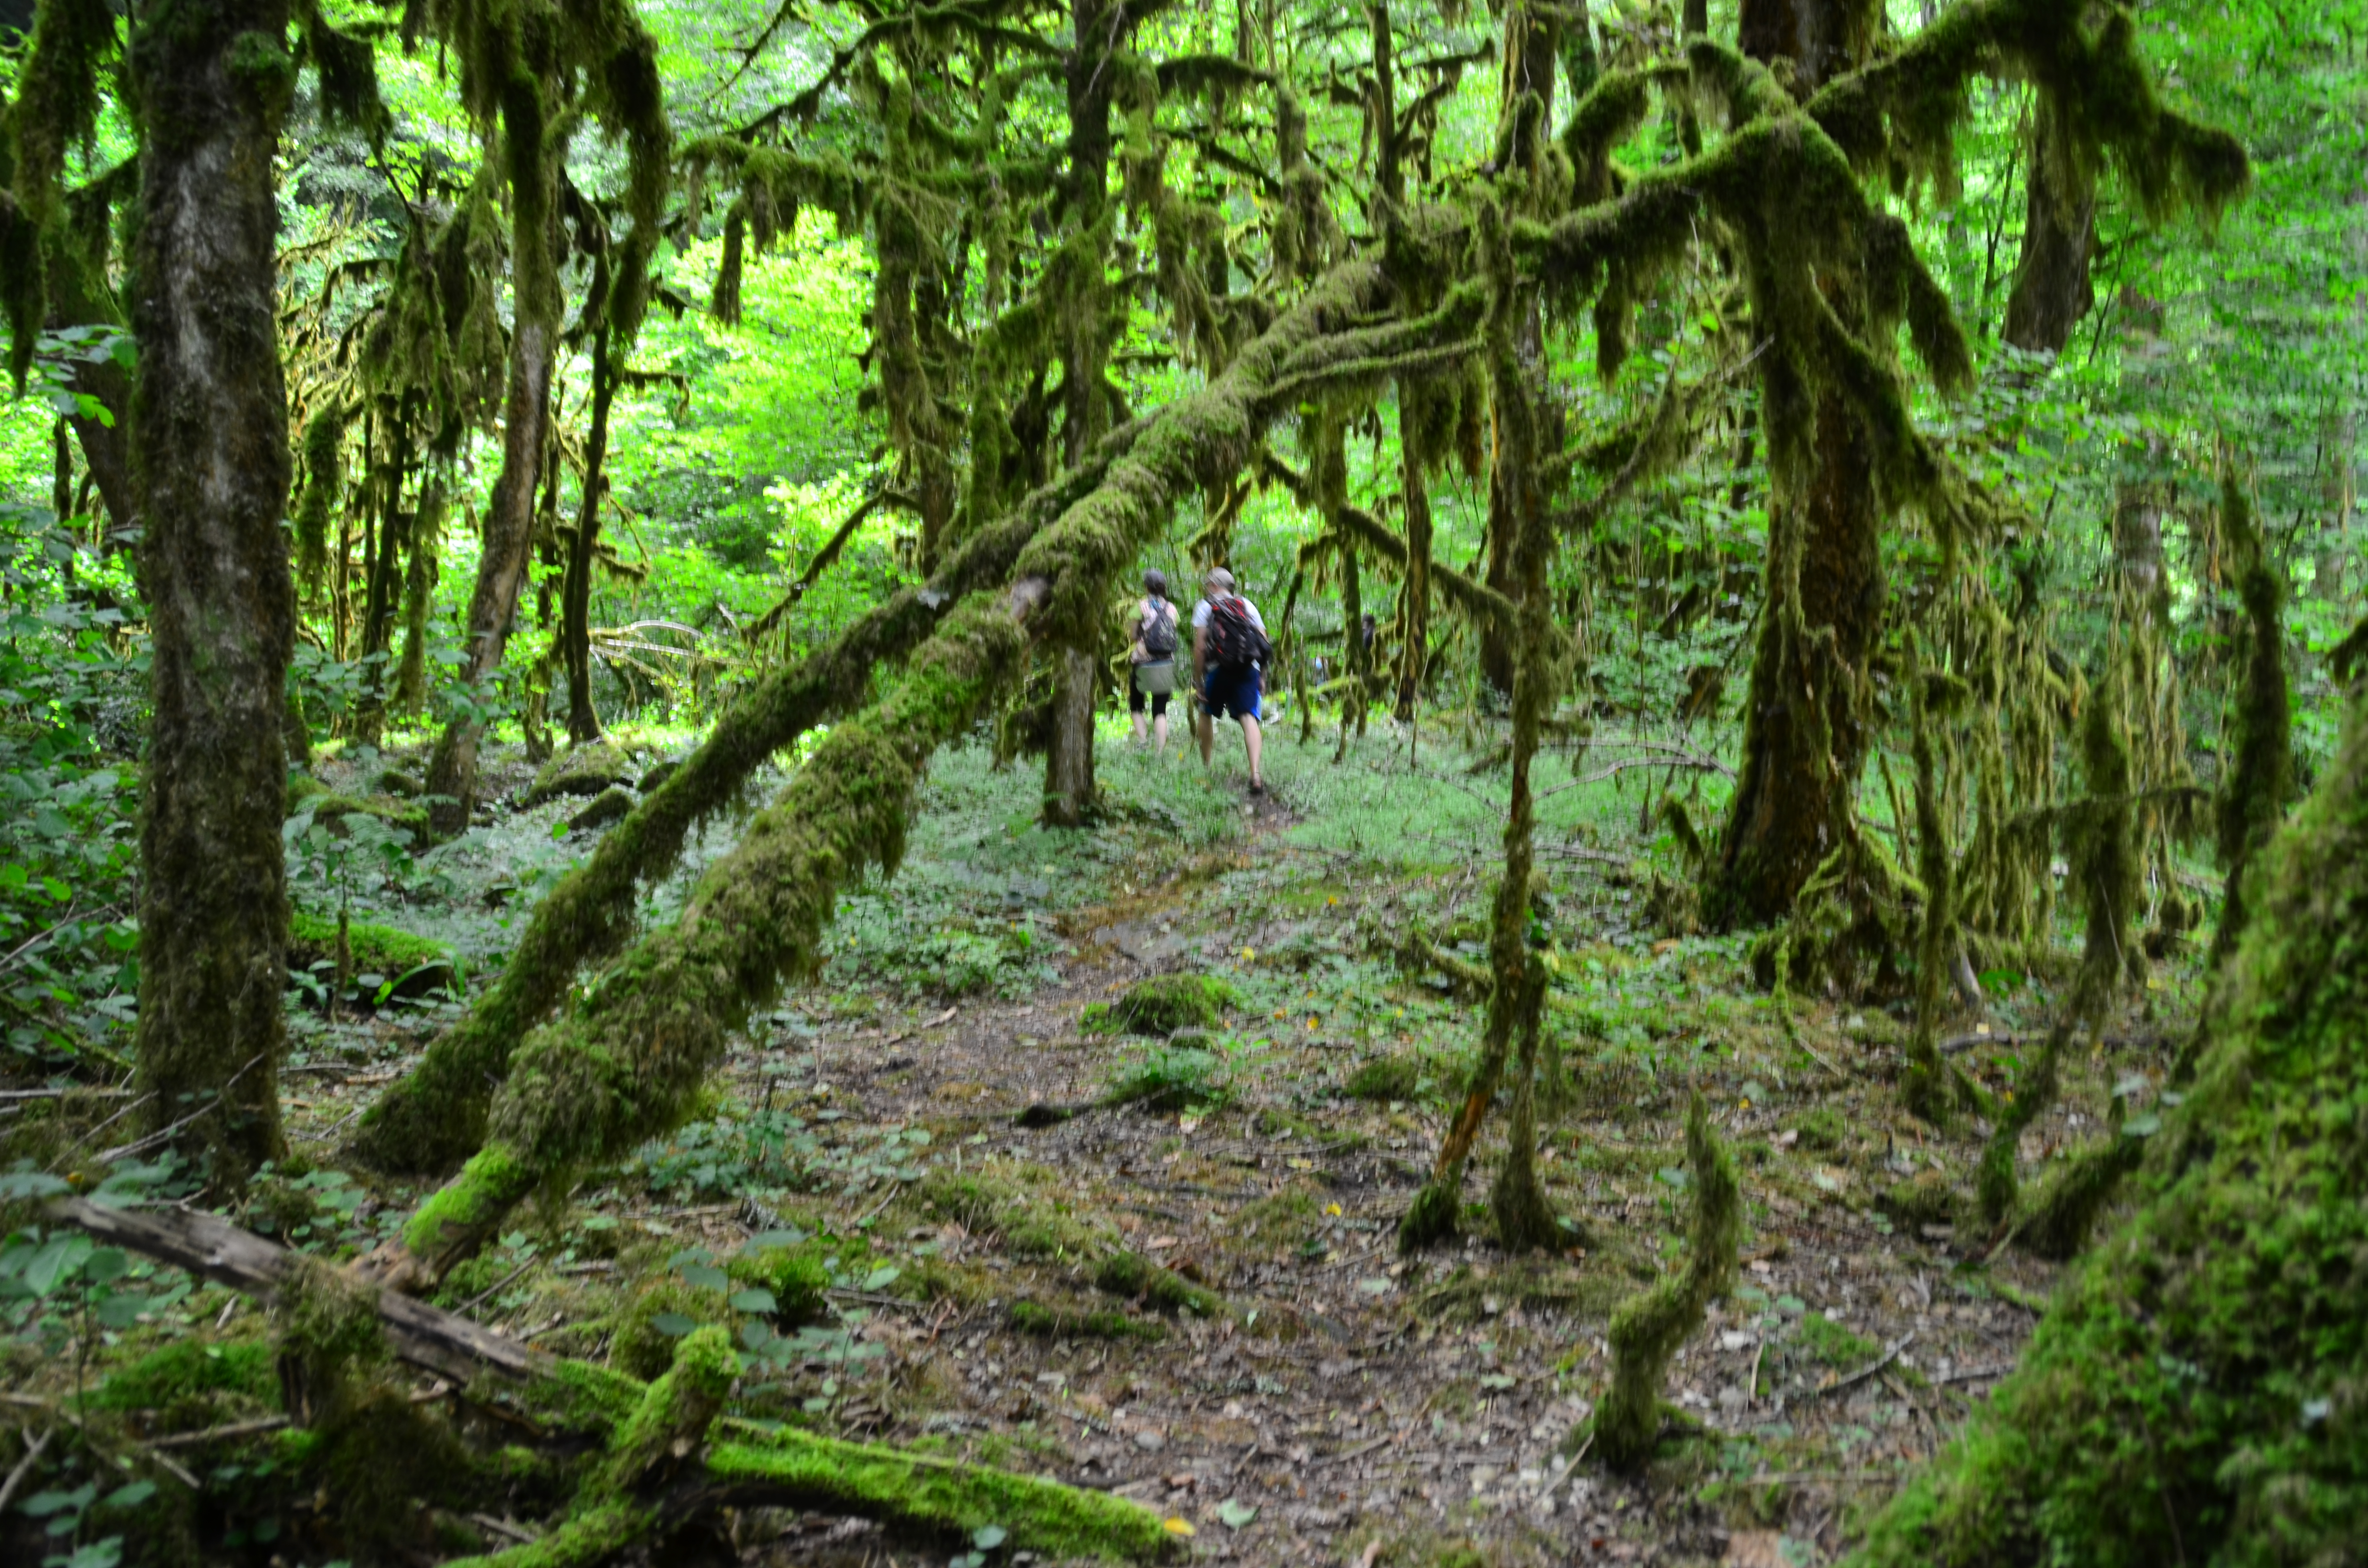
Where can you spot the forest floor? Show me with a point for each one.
(1342, 1405)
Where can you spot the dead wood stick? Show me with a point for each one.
(429, 1337)
(24, 1467)
(1885, 1359)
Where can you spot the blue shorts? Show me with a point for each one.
(1231, 693)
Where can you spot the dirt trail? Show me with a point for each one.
(1351, 1396)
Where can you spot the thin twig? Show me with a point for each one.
(470, 1304)
(221, 1434)
(33, 1447)
(1885, 1359)
(162, 1133)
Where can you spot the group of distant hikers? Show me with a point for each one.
(1229, 654)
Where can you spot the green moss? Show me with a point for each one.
(573, 1396)
(452, 1221)
(1833, 1346)
(797, 1276)
(1165, 1004)
(580, 771)
(672, 1418)
(1822, 1130)
(1648, 1329)
(192, 1384)
(1384, 1078)
(939, 1495)
(2192, 1392)
(418, 963)
(1130, 1274)
(1060, 1322)
(642, 1347)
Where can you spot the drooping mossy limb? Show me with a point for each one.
(1648, 1329)
(624, 1065)
(2193, 1391)
(433, 1116)
(2104, 871)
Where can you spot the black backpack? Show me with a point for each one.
(1159, 631)
(1235, 640)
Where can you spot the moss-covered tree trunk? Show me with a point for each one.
(508, 532)
(2193, 1393)
(209, 421)
(575, 594)
(1806, 737)
(1805, 734)
(1085, 353)
(2052, 289)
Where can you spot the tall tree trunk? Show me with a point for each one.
(501, 568)
(1531, 42)
(1068, 759)
(575, 601)
(212, 85)
(1806, 737)
(382, 592)
(2052, 291)
(1415, 616)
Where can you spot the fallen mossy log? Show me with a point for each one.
(2193, 1393)
(624, 1065)
(670, 1453)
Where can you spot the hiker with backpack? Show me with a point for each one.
(1229, 650)
(1151, 659)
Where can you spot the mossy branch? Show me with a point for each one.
(1648, 1329)
(625, 1064)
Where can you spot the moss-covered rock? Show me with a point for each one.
(1163, 1004)
(797, 1276)
(192, 1384)
(413, 964)
(580, 771)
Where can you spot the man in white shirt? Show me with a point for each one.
(1228, 650)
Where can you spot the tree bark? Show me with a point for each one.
(2052, 291)
(211, 84)
(1804, 733)
(575, 600)
(1069, 758)
(501, 568)
(1804, 736)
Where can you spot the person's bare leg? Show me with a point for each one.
(1159, 736)
(1250, 738)
(1206, 725)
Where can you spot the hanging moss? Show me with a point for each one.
(2191, 1393)
(2104, 869)
(324, 477)
(1647, 1330)
(1924, 1087)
